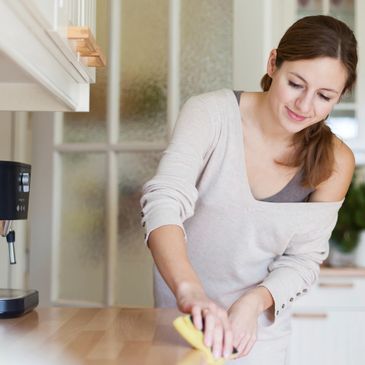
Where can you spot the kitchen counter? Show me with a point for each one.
(102, 336)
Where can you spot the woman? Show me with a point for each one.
(239, 214)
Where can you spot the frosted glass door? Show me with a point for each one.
(90, 157)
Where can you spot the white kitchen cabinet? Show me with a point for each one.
(40, 68)
(329, 323)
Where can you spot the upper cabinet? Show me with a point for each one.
(48, 54)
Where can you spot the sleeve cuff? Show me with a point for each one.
(158, 219)
(283, 295)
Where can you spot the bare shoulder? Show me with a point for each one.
(335, 188)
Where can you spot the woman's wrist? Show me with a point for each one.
(259, 299)
(188, 287)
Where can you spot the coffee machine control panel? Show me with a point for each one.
(14, 190)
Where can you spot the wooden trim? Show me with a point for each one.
(336, 285)
(345, 271)
(310, 315)
(85, 45)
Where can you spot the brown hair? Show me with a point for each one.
(308, 38)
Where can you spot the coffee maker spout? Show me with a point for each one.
(9, 233)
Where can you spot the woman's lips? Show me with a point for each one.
(294, 116)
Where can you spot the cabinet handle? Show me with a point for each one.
(310, 315)
(336, 285)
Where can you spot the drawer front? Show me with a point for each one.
(335, 292)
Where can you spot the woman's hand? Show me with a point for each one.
(243, 316)
(192, 299)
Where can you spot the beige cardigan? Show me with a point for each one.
(234, 241)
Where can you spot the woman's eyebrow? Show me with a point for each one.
(304, 80)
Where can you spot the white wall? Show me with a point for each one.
(258, 25)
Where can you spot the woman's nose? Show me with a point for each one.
(304, 103)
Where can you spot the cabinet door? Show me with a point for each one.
(327, 338)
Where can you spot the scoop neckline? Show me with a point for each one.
(250, 196)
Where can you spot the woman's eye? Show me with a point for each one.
(326, 98)
(294, 85)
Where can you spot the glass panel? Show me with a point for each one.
(206, 46)
(91, 126)
(344, 124)
(348, 97)
(144, 70)
(309, 7)
(135, 261)
(343, 10)
(82, 233)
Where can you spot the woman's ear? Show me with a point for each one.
(271, 63)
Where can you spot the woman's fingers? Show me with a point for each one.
(196, 312)
(227, 347)
(209, 327)
(247, 348)
(227, 343)
(245, 345)
(217, 341)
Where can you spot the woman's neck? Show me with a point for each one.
(257, 112)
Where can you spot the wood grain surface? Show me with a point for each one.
(102, 336)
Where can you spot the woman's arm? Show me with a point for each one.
(167, 245)
(168, 248)
(168, 200)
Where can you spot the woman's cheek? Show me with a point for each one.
(324, 110)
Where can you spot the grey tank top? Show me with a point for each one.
(293, 191)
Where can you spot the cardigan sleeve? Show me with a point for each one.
(170, 196)
(292, 274)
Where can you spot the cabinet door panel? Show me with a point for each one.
(331, 293)
(335, 339)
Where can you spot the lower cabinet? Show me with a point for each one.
(328, 338)
(328, 324)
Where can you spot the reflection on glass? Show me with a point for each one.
(206, 46)
(348, 97)
(91, 126)
(144, 54)
(82, 227)
(135, 262)
(309, 7)
(343, 10)
(344, 124)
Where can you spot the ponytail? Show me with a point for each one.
(313, 154)
(266, 82)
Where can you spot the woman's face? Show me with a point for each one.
(304, 92)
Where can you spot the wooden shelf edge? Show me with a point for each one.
(85, 45)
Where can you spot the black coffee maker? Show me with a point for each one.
(14, 199)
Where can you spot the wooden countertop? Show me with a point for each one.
(97, 336)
